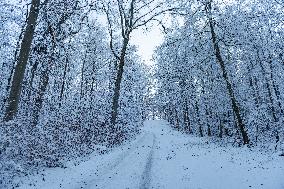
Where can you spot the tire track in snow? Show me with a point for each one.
(123, 155)
(146, 176)
(108, 168)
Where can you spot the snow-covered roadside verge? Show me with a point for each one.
(79, 175)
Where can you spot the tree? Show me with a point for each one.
(19, 72)
(232, 66)
(12, 19)
(221, 62)
(130, 15)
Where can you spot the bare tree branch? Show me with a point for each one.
(110, 30)
(143, 23)
(146, 14)
(122, 18)
(143, 6)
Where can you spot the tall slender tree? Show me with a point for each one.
(235, 105)
(132, 15)
(19, 72)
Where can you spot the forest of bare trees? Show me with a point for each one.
(72, 79)
(221, 73)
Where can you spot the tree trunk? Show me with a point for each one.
(18, 77)
(16, 58)
(275, 88)
(39, 97)
(177, 125)
(186, 118)
(221, 126)
(220, 60)
(33, 70)
(201, 131)
(208, 130)
(82, 77)
(271, 104)
(115, 100)
(63, 81)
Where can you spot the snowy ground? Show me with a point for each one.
(163, 158)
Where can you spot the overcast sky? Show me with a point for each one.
(147, 42)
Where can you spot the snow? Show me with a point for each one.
(163, 158)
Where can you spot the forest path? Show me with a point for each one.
(163, 158)
(133, 170)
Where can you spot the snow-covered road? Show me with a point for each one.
(163, 158)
